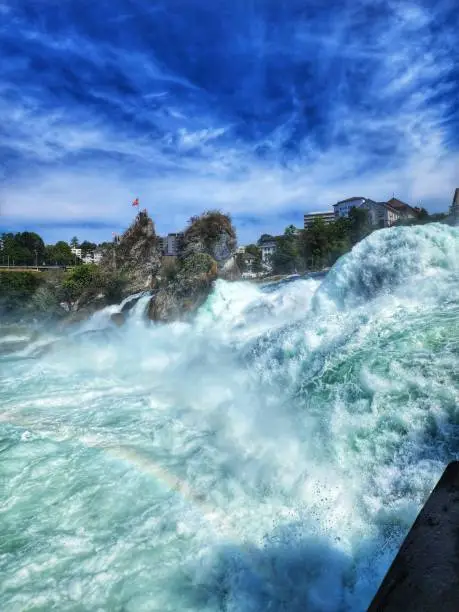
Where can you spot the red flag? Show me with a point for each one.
(135, 202)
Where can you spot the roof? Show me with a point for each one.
(398, 204)
(322, 212)
(350, 200)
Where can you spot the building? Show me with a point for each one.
(454, 208)
(241, 249)
(92, 257)
(267, 245)
(326, 217)
(405, 210)
(343, 207)
(76, 251)
(170, 244)
(381, 214)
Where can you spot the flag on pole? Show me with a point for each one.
(135, 202)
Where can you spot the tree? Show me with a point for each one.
(286, 258)
(359, 224)
(74, 242)
(423, 215)
(22, 248)
(80, 279)
(87, 247)
(257, 265)
(59, 254)
(290, 231)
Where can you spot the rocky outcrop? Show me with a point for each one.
(118, 318)
(185, 289)
(211, 233)
(136, 259)
(206, 253)
(230, 270)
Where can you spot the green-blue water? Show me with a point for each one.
(271, 455)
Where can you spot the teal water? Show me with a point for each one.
(270, 455)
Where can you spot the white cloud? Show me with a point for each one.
(225, 173)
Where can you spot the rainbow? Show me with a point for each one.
(213, 515)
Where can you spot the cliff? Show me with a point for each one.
(205, 255)
(136, 258)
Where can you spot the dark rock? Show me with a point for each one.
(118, 318)
(137, 257)
(185, 291)
(211, 233)
(425, 573)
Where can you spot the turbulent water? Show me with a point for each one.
(270, 455)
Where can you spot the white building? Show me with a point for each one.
(267, 248)
(326, 217)
(343, 207)
(76, 251)
(380, 214)
(92, 257)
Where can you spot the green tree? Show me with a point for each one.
(423, 215)
(16, 289)
(359, 224)
(80, 279)
(286, 258)
(87, 247)
(257, 265)
(32, 244)
(59, 254)
(74, 242)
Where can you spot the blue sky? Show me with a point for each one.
(265, 109)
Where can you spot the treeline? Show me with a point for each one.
(29, 249)
(321, 244)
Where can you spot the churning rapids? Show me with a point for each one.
(270, 455)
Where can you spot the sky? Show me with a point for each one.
(264, 109)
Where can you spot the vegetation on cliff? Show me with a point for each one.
(135, 260)
(212, 233)
(17, 289)
(184, 285)
(132, 264)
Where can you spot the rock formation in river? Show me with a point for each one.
(206, 253)
(136, 258)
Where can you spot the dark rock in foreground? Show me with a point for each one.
(425, 574)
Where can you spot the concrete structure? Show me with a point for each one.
(326, 217)
(425, 573)
(454, 208)
(76, 251)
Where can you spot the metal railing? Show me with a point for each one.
(42, 267)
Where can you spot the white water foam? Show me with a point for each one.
(269, 455)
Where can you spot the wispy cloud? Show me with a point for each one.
(266, 110)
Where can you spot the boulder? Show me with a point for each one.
(186, 290)
(118, 318)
